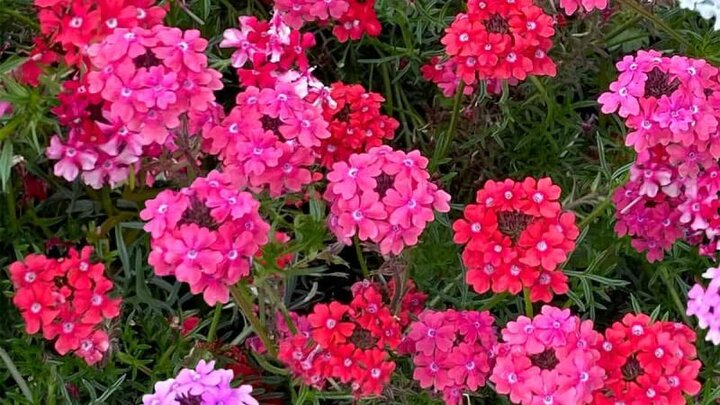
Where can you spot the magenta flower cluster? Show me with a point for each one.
(550, 359)
(205, 235)
(384, 196)
(203, 385)
(151, 86)
(670, 105)
(453, 351)
(266, 140)
(704, 304)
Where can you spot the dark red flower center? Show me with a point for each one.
(631, 369)
(199, 214)
(384, 182)
(363, 339)
(187, 399)
(511, 224)
(545, 360)
(270, 124)
(497, 24)
(658, 84)
(146, 60)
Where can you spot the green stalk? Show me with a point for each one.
(656, 21)
(528, 303)
(665, 276)
(16, 375)
(389, 106)
(493, 301)
(445, 290)
(446, 139)
(12, 214)
(244, 303)
(107, 201)
(214, 324)
(276, 303)
(361, 257)
(595, 213)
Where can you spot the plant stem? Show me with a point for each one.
(12, 214)
(361, 257)
(665, 276)
(276, 303)
(528, 303)
(595, 213)
(107, 201)
(242, 299)
(494, 300)
(445, 290)
(16, 375)
(447, 137)
(656, 21)
(214, 324)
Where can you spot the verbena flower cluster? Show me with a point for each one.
(708, 9)
(550, 359)
(203, 385)
(452, 351)
(507, 39)
(148, 91)
(272, 54)
(355, 122)
(384, 196)
(349, 343)
(352, 18)
(648, 363)
(516, 237)
(69, 27)
(267, 140)
(704, 304)
(266, 49)
(205, 235)
(670, 105)
(67, 299)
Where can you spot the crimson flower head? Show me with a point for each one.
(516, 237)
(495, 40)
(350, 343)
(67, 299)
(648, 362)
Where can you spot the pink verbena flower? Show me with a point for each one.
(205, 235)
(453, 352)
(383, 196)
(669, 103)
(552, 358)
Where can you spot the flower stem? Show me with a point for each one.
(16, 375)
(107, 201)
(361, 258)
(528, 303)
(595, 213)
(444, 141)
(665, 276)
(214, 324)
(242, 299)
(656, 21)
(12, 214)
(445, 290)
